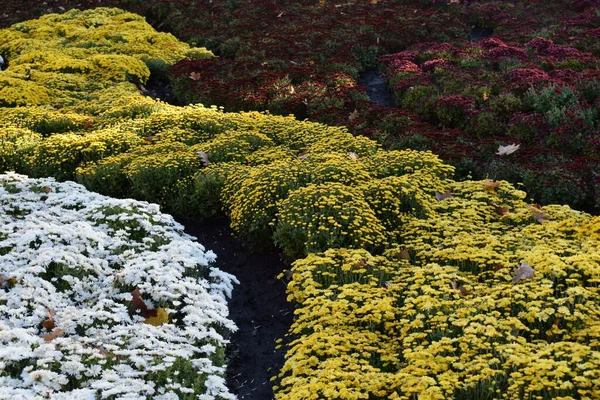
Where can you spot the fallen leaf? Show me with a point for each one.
(48, 323)
(203, 158)
(138, 306)
(522, 272)
(195, 76)
(288, 273)
(506, 150)
(538, 214)
(149, 139)
(456, 286)
(443, 196)
(404, 255)
(491, 185)
(353, 155)
(88, 123)
(161, 317)
(47, 189)
(303, 156)
(501, 210)
(48, 337)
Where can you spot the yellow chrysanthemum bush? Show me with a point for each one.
(43, 120)
(84, 60)
(59, 155)
(343, 336)
(233, 146)
(251, 196)
(485, 296)
(328, 215)
(16, 144)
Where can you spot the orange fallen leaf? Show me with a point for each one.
(491, 185)
(47, 189)
(48, 323)
(195, 76)
(160, 318)
(88, 123)
(48, 337)
(149, 139)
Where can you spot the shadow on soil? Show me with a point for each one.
(258, 307)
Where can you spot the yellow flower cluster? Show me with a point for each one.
(79, 58)
(328, 215)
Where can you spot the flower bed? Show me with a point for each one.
(407, 282)
(540, 95)
(105, 297)
(84, 60)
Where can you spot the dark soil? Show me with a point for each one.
(159, 87)
(377, 87)
(258, 308)
(479, 33)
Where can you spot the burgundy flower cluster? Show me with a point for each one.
(540, 94)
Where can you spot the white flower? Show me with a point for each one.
(73, 254)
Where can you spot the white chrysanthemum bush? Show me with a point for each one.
(105, 298)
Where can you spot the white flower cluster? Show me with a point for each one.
(69, 261)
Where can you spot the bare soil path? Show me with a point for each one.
(258, 307)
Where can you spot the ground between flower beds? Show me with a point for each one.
(258, 308)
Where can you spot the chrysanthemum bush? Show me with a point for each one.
(540, 95)
(70, 262)
(84, 59)
(447, 311)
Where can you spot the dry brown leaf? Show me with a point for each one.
(538, 214)
(48, 323)
(501, 210)
(149, 139)
(195, 76)
(442, 196)
(490, 185)
(138, 306)
(47, 189)
(404, 255)
(522, 272)
(456, 286)
(288, 273)
(88, 123)
(48, 337)
(353, 155)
